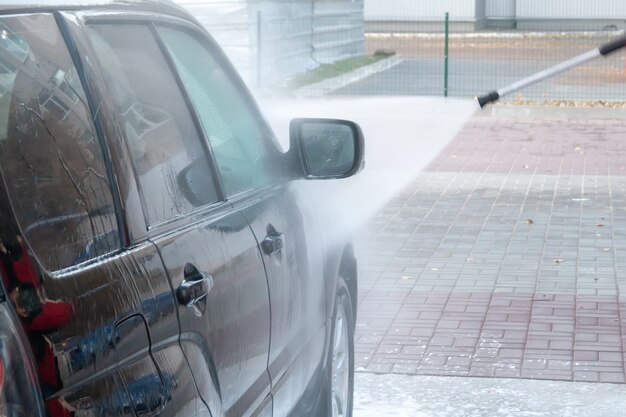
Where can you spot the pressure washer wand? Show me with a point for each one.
(603, 50)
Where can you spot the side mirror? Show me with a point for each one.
(196, 184)
(326, 148)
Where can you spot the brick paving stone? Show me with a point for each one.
(504, 258)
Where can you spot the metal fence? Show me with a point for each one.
(494, 45)
(291, 42)
(270, 41)
(479, 61)
(491, 43)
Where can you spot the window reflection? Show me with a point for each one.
(50, 158)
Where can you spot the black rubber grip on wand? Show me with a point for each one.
(609, 48)
(488, 98)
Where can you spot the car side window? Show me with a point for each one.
(238, 138)
(164, 142)
(50, 157)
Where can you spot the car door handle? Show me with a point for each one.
(149, 399)
(273, 242)
(195, 287)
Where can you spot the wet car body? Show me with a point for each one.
(172, 275)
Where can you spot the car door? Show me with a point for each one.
(206, 246)
(254, 178)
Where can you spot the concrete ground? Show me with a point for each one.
(428, 396)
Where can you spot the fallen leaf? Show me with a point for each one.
(599, 225)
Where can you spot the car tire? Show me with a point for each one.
(340, 376)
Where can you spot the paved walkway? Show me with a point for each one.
(505, 258)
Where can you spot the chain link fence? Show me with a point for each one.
(480, 61)
(492, 43)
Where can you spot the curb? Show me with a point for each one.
(552, 112)
(493, 35)
(331, 84)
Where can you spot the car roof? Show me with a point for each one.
(156, 6)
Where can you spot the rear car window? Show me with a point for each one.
(164, 141)
(50, 157)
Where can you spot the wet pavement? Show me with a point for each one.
(426, 396)
(506, 257)
(499, 247)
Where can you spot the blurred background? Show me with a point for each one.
(391, 47)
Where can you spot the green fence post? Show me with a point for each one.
(445, 55)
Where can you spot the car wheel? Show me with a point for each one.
(341, 352)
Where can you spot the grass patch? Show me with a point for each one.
(326, 71)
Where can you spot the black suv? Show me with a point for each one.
(159, 253)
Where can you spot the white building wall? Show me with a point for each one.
(572, 9)
(480, 9)
(611, 11)
(419, 10)
(501, 8)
